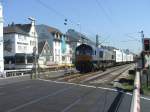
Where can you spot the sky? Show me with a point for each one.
(117, 22)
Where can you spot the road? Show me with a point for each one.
(47, 96)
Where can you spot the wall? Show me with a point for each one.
(24, 44)
(1, 41)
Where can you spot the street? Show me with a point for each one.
(48, 96)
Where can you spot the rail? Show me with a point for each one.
(135, 104)
(9, 73)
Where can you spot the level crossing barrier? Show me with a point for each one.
(135, 104)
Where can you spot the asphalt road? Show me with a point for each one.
(45, 96)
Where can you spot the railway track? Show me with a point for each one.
(108, 77)
(77, 77)
(72, 77)
(94, 77)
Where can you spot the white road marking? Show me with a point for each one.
(37, 100)
(145, 98)
(110, 89)
(89, 86)
(71, 105)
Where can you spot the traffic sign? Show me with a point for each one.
(147, 60)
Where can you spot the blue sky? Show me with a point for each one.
(116, 21)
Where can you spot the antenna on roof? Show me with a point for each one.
(31, 18)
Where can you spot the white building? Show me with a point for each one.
(1, 40)
(19, 41)
(58, 43)
(66, 50)
(57, 47)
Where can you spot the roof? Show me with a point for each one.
(76, 36)
(49, 28)
(55, 30)
(17, 28)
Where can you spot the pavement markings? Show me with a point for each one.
(89, 86)
(71, 105)
(39, 99)
(145, 98)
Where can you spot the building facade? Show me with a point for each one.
(1, 41)
(19, 42)
(59, 45)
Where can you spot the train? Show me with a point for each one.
(89, 58)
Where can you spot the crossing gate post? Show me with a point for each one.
(135, 104)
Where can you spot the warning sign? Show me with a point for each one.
(147, 60)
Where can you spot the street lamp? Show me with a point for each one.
(35, 47)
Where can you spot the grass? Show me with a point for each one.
(127, 87)
(127, 83)
(146, 91)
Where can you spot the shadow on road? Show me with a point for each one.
(116, 103)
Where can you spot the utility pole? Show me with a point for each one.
(1, 42)
(34, 48)
(97, 40)
(65, 39)
(142, 37)
(145, 57)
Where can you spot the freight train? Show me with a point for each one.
(90, 58)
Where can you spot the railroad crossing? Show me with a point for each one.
(21, 94)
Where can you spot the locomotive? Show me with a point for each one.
(90, 57)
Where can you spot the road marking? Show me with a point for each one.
(89, 86)
(71, 105)
(37, 100)
(110, 89)
(145, 98)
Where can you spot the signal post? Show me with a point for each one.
(146, 57)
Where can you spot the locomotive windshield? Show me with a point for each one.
(84, 50)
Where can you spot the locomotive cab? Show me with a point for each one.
(83, 59)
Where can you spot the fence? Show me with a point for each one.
(9, 73)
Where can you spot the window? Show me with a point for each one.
(101, 54)
(9, 60)
(112, 56)
(32, 43)
(20, 59)
(29, 59)
(77, 52)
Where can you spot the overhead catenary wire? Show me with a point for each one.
(104, 11)
(58, 13)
